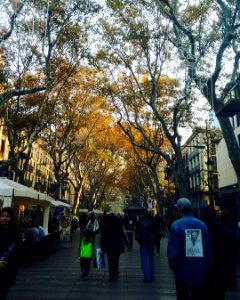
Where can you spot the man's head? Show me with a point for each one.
(184, 205)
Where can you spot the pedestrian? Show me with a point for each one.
(93, 225)
(159, 232)
(83, 220)
(86, 250)
(129, 225)
(74, 224)
(42, 231)
(189, 253)
(145, 235)
(102, 219)
(10, 251)
(113, 241)
(223, 235)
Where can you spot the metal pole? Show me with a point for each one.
(209, 163)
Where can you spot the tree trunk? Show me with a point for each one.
(231, 142)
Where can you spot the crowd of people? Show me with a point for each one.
(116, 236)
(201, 253)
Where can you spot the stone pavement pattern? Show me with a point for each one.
(59, 277)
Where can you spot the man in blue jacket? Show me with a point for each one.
(189, 253)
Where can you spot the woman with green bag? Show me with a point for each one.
(86, 252)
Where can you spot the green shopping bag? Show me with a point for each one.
(86, 249)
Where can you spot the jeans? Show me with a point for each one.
(147, 261)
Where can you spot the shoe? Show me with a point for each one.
(84, 274)
(146, 280)
(116, 275)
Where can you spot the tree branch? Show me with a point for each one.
(8, 95)
(12, 23)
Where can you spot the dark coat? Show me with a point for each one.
(10, 237)
(224, 249)
(113, 237)
(129, 222)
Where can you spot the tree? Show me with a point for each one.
(209, 50)
(45, 49)
(141, 91)
(101, 161)
(33, 34)
(74, 122)
(152, 160)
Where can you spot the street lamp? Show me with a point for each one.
(209, 164)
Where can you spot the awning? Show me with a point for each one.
(134, 208)
(58, 203)
(18, 192)
(83, 210)
(97, 212)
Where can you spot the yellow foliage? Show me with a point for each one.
(195, 12)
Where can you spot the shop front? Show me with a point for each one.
(29, 205)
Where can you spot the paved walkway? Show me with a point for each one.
(59, 277)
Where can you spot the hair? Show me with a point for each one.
(226, 215)
(209, 215)
(186, 210)
(8, 210)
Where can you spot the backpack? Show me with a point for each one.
(93, 225)
(145, 231)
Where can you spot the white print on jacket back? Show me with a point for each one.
(193, 243)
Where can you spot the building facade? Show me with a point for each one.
(228, 185)
(35, 199)
(199, 154)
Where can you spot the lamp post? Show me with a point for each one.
(209, 164)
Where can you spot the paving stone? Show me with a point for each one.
(59, 277)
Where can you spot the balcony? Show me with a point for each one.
(194, 170)
(196, 188)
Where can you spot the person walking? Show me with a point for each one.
(10, 251)
(189, 253)
(223, 235)
(83, 220)
(145, 235)
(159, 232)
(93, 226)
(129, 225)
(113, 241)
(86, 250)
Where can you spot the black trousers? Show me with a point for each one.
(113, 264)
(7, 278)
(85, 264)
(190, 292)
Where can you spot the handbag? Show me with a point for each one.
(86, 249)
